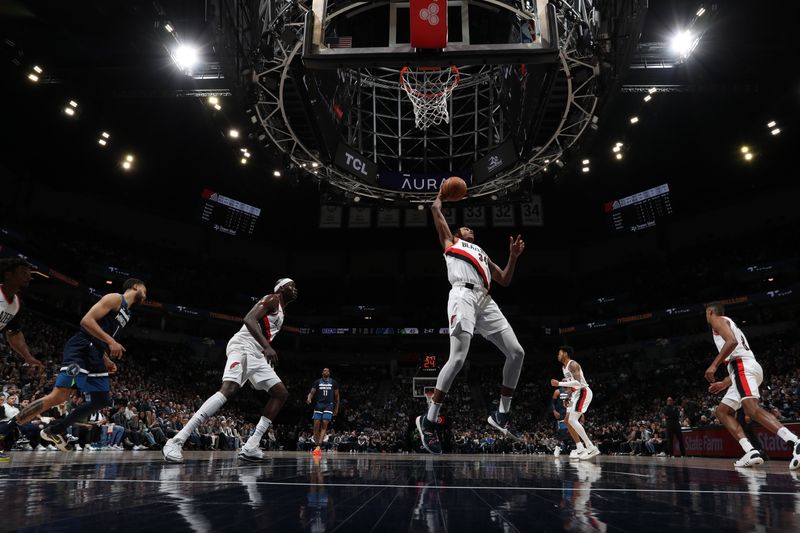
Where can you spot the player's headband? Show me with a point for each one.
(281, 282)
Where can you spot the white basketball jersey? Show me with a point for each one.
(569, 377)
(742, 350)
(467, 263)
(270, 326)
(8, 309)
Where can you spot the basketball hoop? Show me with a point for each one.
(428, 89)
(429, 394)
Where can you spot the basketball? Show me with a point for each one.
(453, 189)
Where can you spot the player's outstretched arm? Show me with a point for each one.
(16, 340)
(515, 249)
(445, 236)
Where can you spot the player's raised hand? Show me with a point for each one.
(516, 246)
(115, 349)
(554, 382)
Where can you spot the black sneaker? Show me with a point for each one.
(500, 421)
(54, 438)
(428, 435)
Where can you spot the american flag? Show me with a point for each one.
(341, 42)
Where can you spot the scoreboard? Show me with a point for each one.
(639, 211)
(227, 215)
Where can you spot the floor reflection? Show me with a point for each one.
(382, 493)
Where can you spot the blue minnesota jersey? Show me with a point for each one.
(563, 396)
(85, 352)
(325, 390)
(112, 324)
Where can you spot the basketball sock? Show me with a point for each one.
(578, 427)
(433, 411)
(211, 406)
(505, 404)
(261, 428)
(787, 435)
(746, 446)
(579, 446)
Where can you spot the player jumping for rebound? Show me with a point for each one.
(470, 308)
(326, 392)
(578, 403)
(744, 378)
(250, 357)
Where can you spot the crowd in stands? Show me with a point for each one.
(160, 385)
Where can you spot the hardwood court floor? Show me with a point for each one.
(137, 491)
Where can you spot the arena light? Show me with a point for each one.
(73, 103)
(276, 173)
(109, 282)
(33, 77)
(126, 165)
(744, 149)
(585, 170)
(356, 199)
(37, 69)
(772, 124)
(246, 155)
(105, 135)
(314, 164)
(243, 161)
(651, 90)
(616, 149)
(169, 27)
(618, 156)
(420, 207)
(102, 142)
(218, 107)
(585, 162)
(129, 158)
(683, 43)
(647, 98)
(213, 100)
(234, 134)
(186, 57)
(776, 131)
(69, 111)
(748, 156)
(634, 120)
(701, 11)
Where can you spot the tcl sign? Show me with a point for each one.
(355, 163)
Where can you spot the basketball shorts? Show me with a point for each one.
(323, 411)
(247, 363)
(473, 310)
(580, 400)
(746, 377)
(82, 366)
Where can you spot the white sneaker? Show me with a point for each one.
(661, 454)
(588, 453)
(557, 451)
(172, 452)
(40, 448)
(51, 448)
(574, 454)
(794, 464)
(77, 448)
(253, 455)
(751, 458)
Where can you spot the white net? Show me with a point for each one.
(429, 89)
